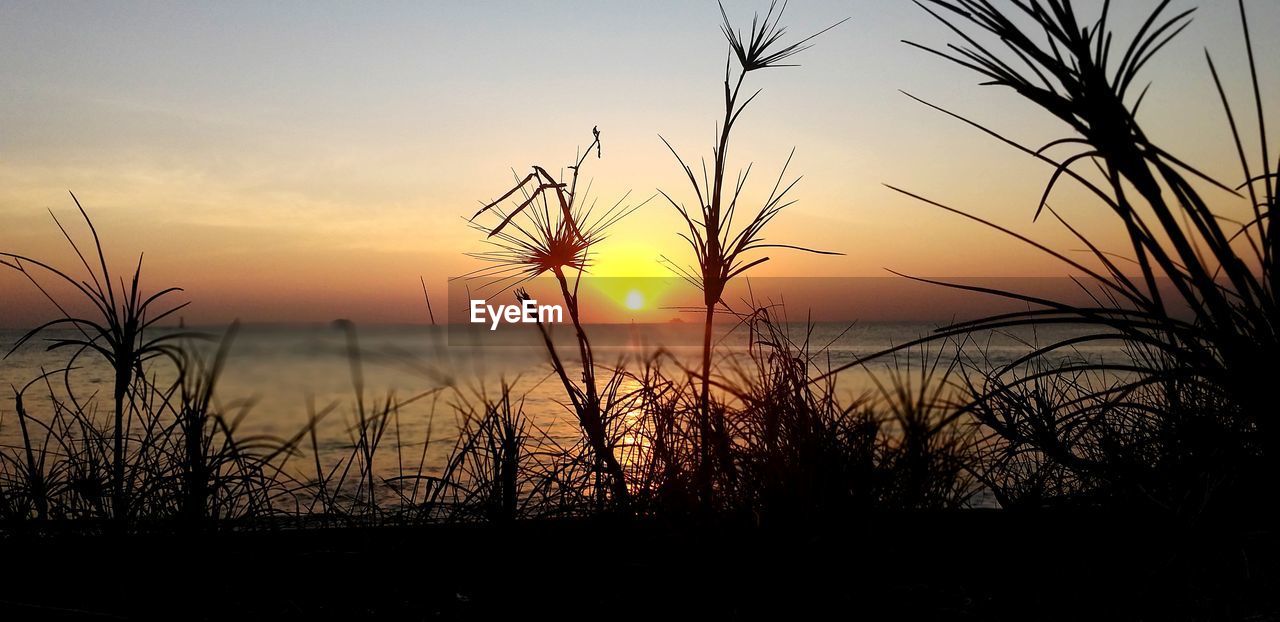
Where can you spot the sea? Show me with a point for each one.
(276, 380)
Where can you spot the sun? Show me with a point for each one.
(635, 300)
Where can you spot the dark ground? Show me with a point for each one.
(972, 565)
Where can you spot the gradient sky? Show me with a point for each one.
(306, 161)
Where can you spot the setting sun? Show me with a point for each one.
(635, 300)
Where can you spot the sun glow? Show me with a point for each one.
(635, 300)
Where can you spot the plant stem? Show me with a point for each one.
(590, 413)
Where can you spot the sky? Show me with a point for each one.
(303, 161)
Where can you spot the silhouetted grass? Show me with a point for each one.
(184, 461)
(1199, 320)
(796, 450)
(558, 239)
(790, 444)
(720, 254)
(116, 332)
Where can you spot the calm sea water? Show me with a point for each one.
(276, 376)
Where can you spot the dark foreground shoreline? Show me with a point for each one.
(962, 565)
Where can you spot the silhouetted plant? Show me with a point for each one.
(117, 333)
(186, 461)
(490, 470)
(1193, 262)
(557, 238)
(721, 253)
(927, 447)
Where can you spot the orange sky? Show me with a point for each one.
(310, 161)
